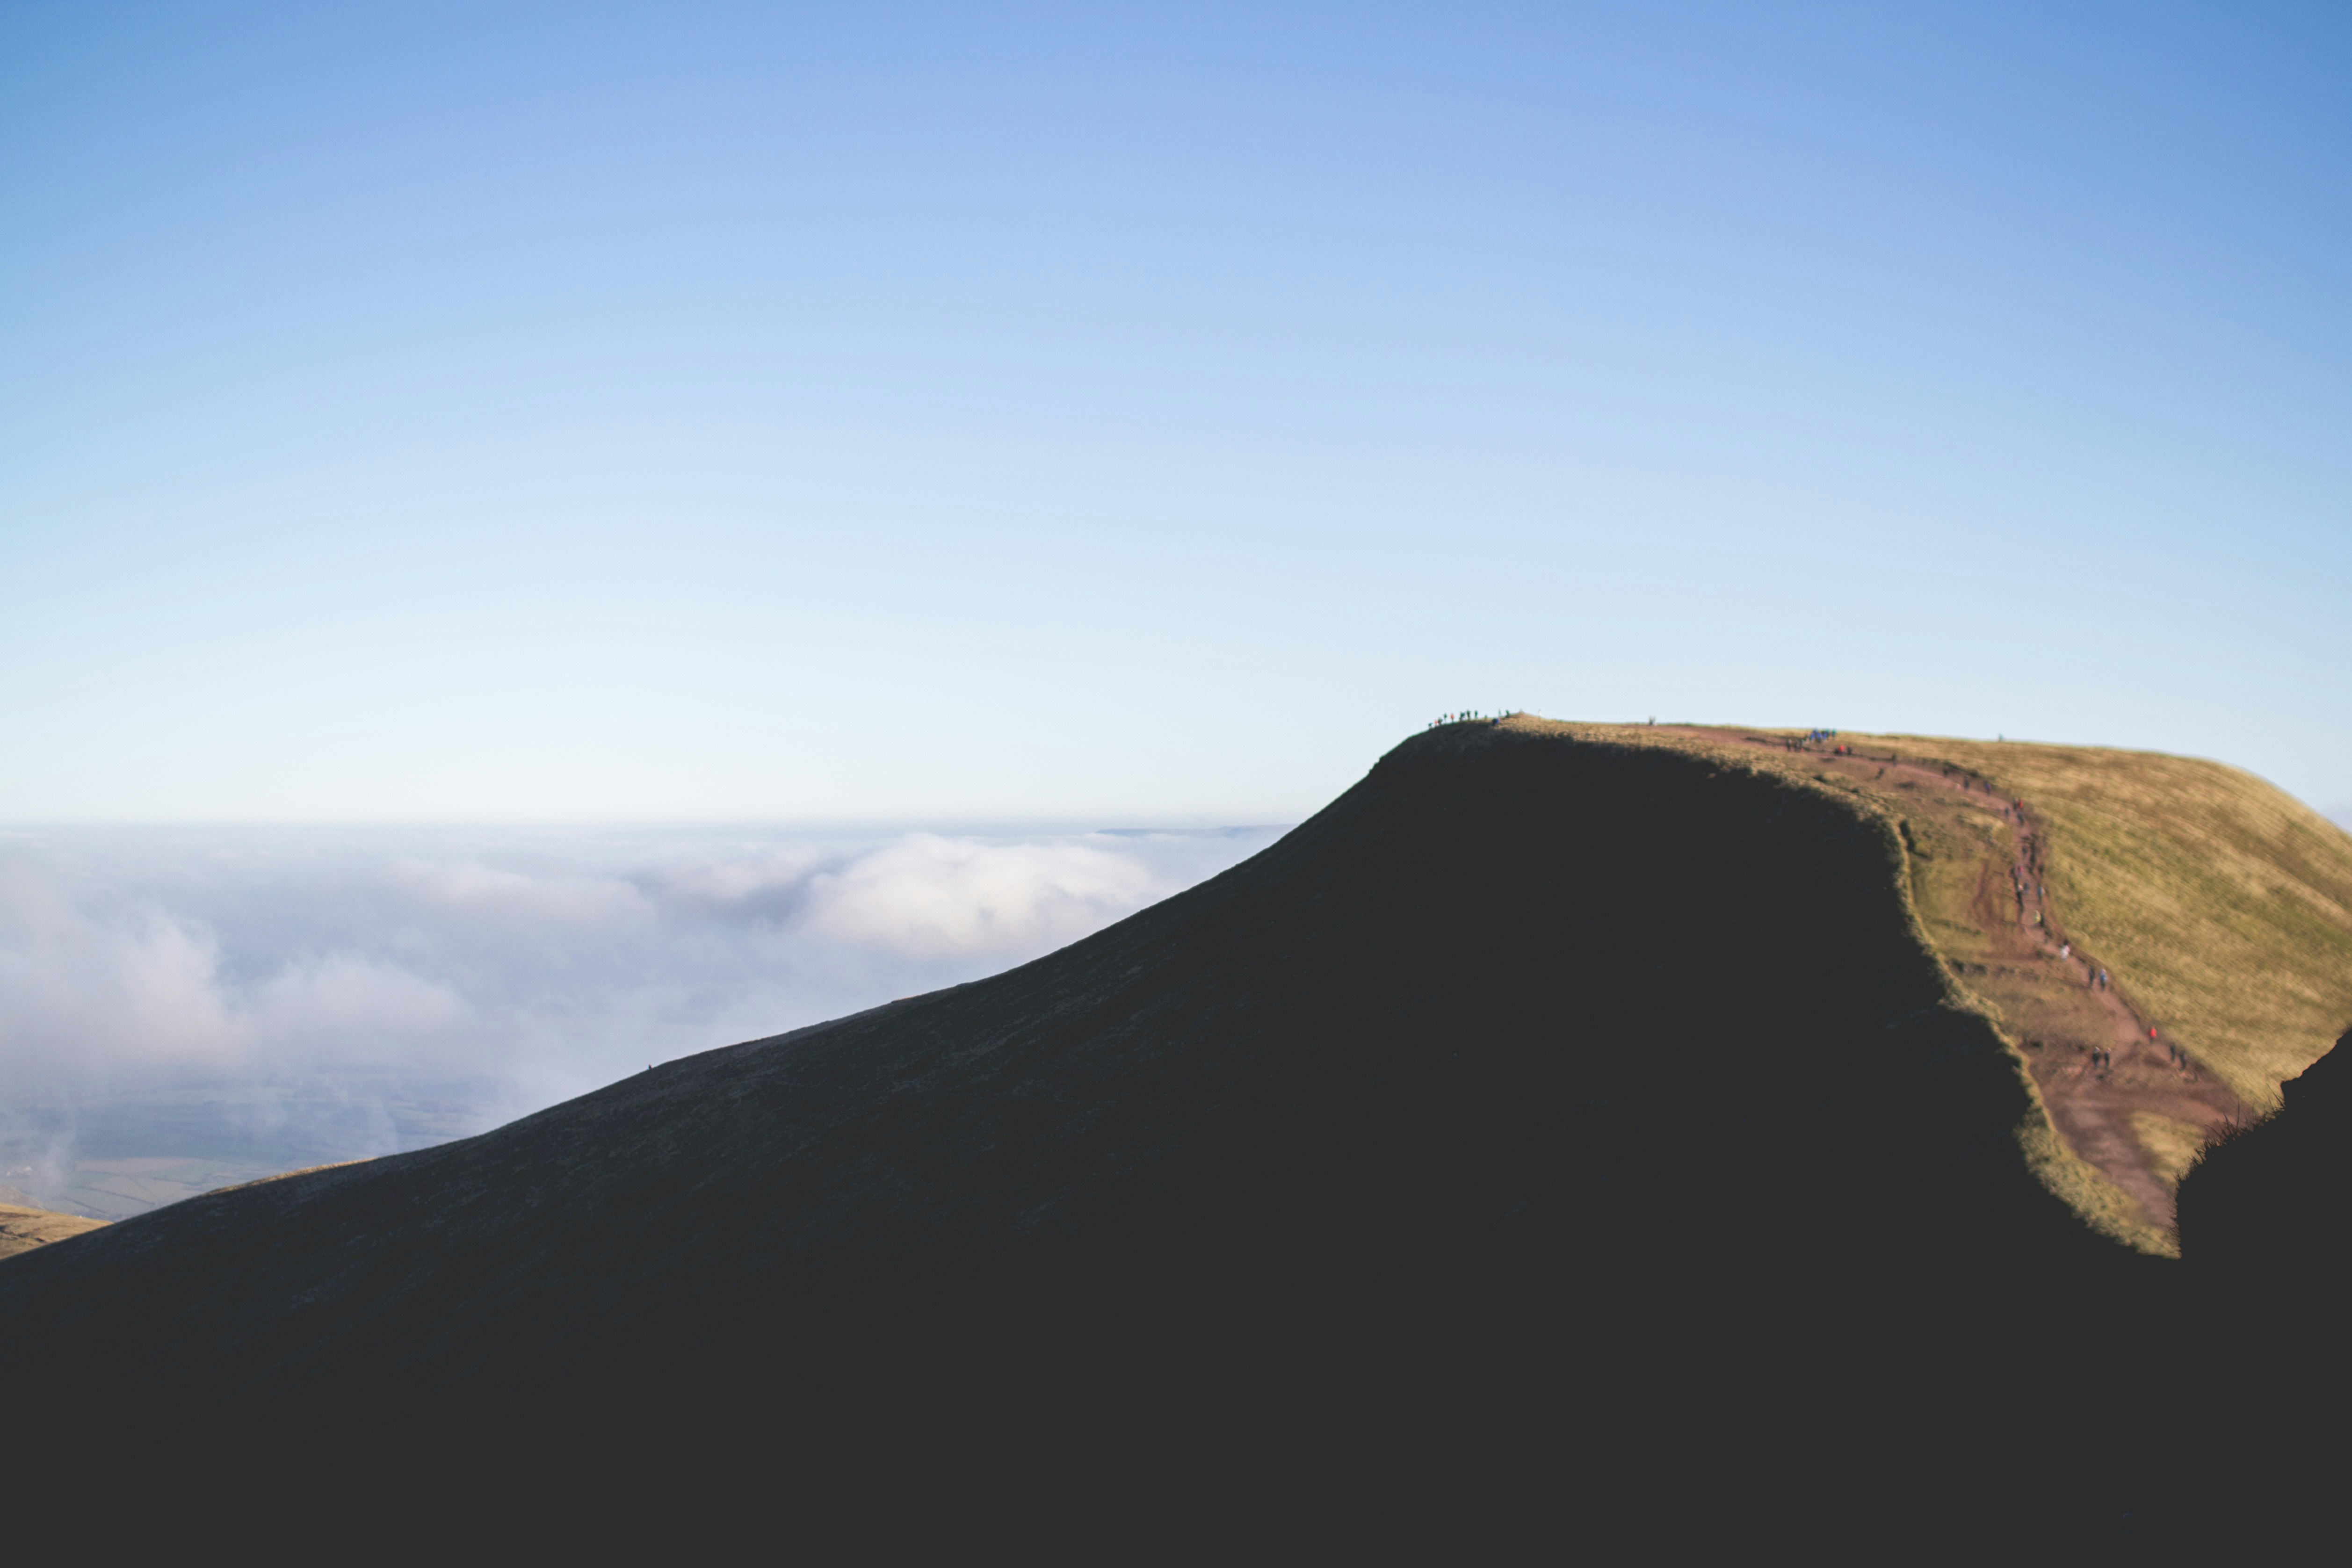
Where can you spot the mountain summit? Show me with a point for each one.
(1546, 1051)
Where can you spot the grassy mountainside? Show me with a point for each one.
(2225, 903)
(22, 1229)
(1528, 1030)
(2221, 907)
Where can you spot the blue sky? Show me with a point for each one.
(960, 415)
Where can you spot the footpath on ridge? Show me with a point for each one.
(2122, 1097)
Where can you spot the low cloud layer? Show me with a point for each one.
(481, 974)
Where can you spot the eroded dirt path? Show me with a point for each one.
(2118, 1091)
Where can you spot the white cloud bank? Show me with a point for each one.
(932, 898)
(510, 969)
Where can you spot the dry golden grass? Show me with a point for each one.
(2174, 1144)
(2222, 905)
(22, 1229)
(2084, 1188)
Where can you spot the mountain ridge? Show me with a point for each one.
(1355, 1051)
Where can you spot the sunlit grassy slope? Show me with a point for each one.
(22, 1229)
(2222, 903)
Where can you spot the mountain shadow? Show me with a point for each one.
(2266, 1244)
(1532, 1062)
(2268, 1212)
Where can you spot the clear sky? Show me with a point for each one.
(1116, 415)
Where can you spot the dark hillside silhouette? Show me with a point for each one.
(1530, 1059)
(2269, 1211)
(2266, 1242)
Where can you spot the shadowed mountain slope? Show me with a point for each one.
(2266, 1246)
(2266, 1215)
(2162, 939)
(1522, 1028)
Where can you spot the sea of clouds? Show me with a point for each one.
(493, 972)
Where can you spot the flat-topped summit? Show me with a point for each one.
(1537, 1020)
